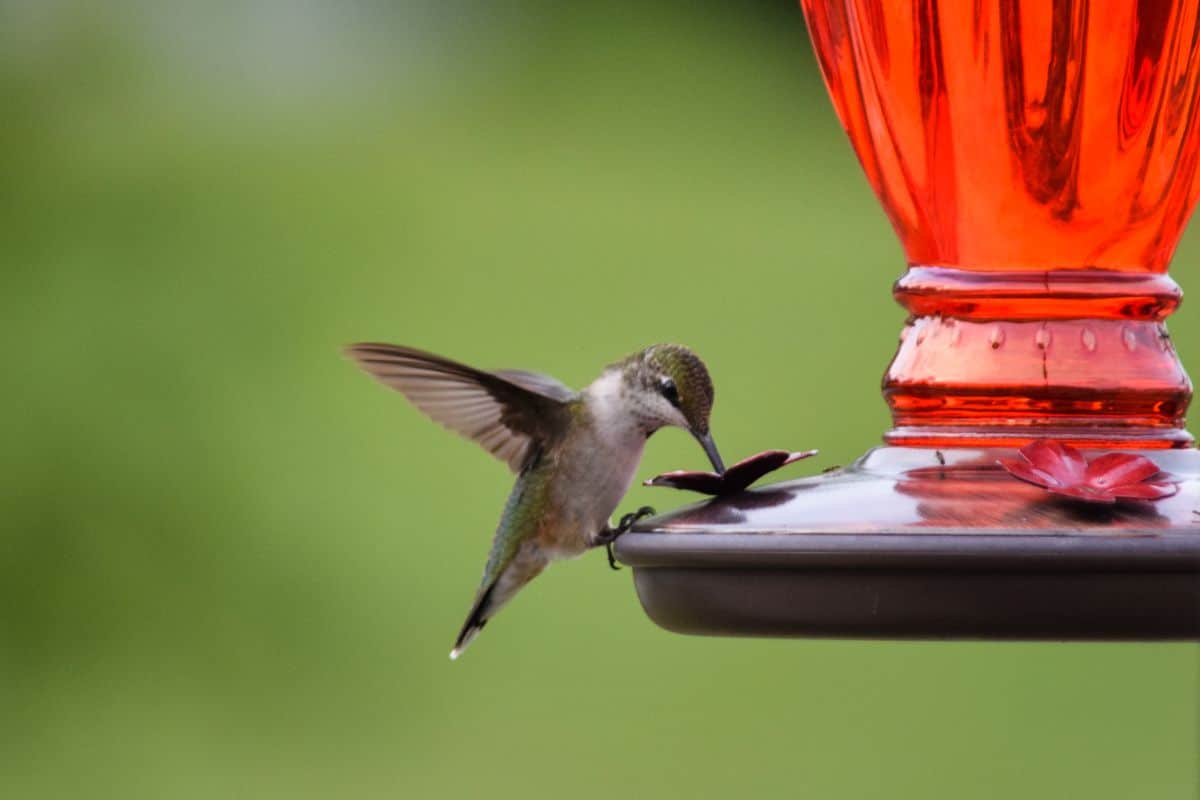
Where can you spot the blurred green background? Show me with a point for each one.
(232, 566)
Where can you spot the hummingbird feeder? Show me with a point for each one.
(1038, 163)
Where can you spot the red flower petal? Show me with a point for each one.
(1065, 463)
(748, 470)
(735, 478)
(1084, 492)
(703, 482)
(1061, 469)
(1117, 469)
(1030, 474)
(1145, 491)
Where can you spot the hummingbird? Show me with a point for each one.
(575, 453)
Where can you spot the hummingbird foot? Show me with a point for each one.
(629, 520)
(612, 560)
(609, 535)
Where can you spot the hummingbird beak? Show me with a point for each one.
(710, 450)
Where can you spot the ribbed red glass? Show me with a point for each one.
(1038, 162)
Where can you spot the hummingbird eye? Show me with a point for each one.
(669, 391)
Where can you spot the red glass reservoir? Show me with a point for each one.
(1038, 163)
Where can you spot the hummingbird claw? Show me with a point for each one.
(629, 520)
(609, 535)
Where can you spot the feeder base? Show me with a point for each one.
(901, 545)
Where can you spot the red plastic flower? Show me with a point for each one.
(735, 478)
(1107, 478)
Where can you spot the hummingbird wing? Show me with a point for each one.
(510, 413)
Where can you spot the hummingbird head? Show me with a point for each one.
(670, 386)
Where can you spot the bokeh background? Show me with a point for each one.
(232, 566)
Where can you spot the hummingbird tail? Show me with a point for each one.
(464, 639)
(474, 624)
